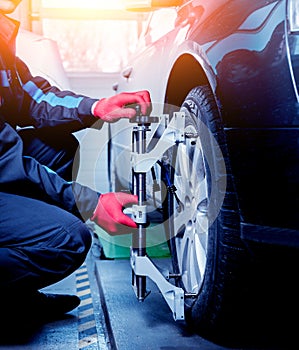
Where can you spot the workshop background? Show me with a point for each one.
(95, 38)
(82, 46)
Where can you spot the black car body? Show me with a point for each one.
(233, 64)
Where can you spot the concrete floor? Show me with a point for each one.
(83, 328)
(148, 325)
(109, 316)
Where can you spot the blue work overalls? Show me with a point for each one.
(43, 237)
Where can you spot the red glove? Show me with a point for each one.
(109, 213)
(113, 108)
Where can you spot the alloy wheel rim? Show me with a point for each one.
(190, 215)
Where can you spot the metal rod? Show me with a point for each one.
(139, 238)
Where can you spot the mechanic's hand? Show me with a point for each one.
(109, 213)
(113, 108)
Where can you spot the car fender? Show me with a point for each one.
(189, 67)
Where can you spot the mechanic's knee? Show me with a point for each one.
(81, 237)
(56, 256)
(70, 245)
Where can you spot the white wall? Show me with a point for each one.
(97, 85)
(93, 171)
(43, 59)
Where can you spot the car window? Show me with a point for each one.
(160, 23)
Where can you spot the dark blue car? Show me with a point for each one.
(233, 224)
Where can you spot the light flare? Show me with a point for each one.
(87, 4)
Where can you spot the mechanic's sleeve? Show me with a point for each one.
(46, 105)
(16, 169)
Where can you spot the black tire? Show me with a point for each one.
(217, 303)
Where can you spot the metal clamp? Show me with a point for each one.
(172, 134)
(139, 213)
(144, 156)
(174, 296)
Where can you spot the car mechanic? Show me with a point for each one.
(43, 235)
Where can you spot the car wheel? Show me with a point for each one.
(203, 220)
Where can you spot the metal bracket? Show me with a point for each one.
(143, 158)
(139, 213)
(172, 134)
(174, 296)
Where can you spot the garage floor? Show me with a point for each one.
(83, 328)
(109, 316)
(148, 325)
